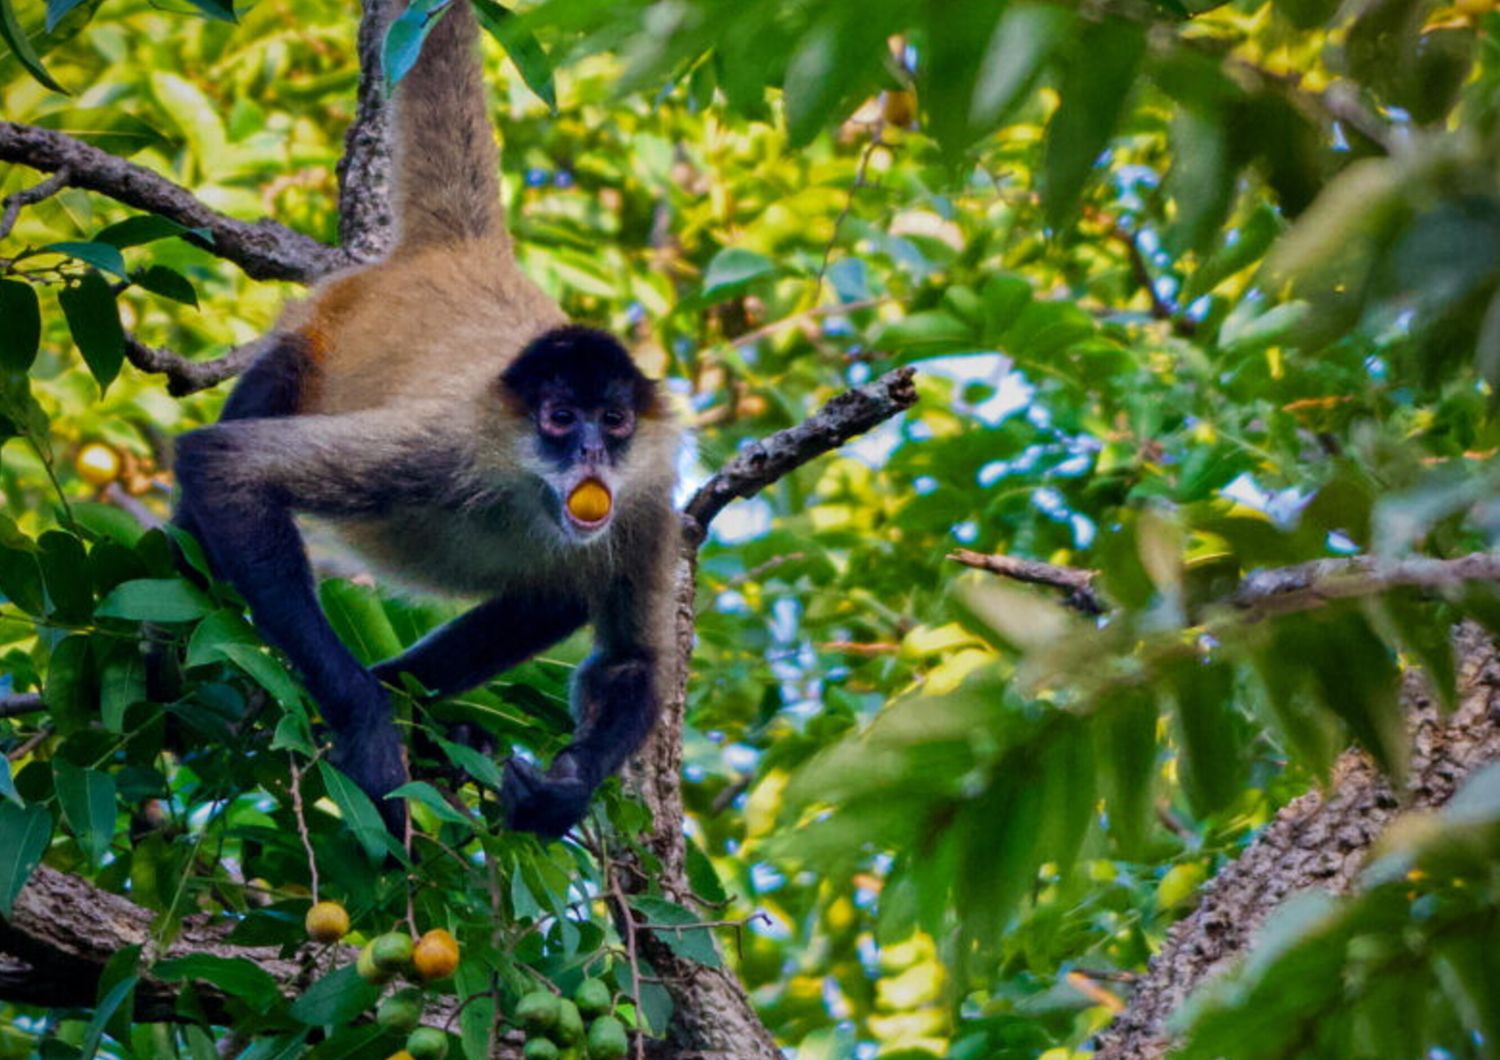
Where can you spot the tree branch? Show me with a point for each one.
(1264, 593)
(189, 377)
(367, 223)
(849, 414)
(1320, 840)
(43, 189)
(17, 703)
(264, 249)
(1076, 582)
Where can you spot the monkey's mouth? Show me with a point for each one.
(590, 505)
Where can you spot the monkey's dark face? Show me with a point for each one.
(584, 398)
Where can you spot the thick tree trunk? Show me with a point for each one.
(1320, 840)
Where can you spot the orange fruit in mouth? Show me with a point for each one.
(589, 502)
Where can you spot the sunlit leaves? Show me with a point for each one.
(14, 35)
(522, 47)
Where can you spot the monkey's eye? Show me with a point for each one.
(616, 421)
(559, 418)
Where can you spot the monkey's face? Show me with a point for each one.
(582, 398)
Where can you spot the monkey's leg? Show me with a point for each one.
(241, 482)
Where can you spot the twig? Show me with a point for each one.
(1308, 585)
(18, 703)
(626, 921)
(876, 141)
(1076, 582)
(761, 463)
(31, 743)
(1161, 308)
(188, 377)
(300, 815)
(43, 189)
(832, 309)
(265, 249)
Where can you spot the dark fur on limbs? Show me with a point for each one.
(250, 539)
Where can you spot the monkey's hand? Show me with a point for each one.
(546, 803)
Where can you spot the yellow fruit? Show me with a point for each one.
(899, 108)
(1475, 8)
(97, 464)
(590, 502)
(436, 955)
(401, 1054)
(327, 922)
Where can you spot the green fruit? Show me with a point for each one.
(391, 951)
(427, 1043)
(540, 1049)
(368, 970)
(607, 1040)
(402, 1011)
(538, 1011)
(569, 1027)
(592, 998)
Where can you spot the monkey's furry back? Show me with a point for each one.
(448, 308)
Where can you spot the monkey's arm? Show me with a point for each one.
(241, 481)
(617, 692)
(482, 642)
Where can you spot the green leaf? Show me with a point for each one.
(20, 45)
(1021, 46)
(94, 320)
(87, 800)
(358, 618)
(219, 10)
(1069, 794)
(123, 964)
(680, 929)
(20, 574)
(1125, 749)
(999, 838)
(236, 976)
(57, 10)
(25, 832)
(107, 522)
(107, 128)
(21, 335)
(102, 256)
(424, 793)
(703, 877)
(403, 40)
(146, 228)
(1095, 86)
(65, 572)
(476, 1018)
(169, 283)
(337, 998)
(927, 333)
(156, 600)
(69, 692)
(8, 783)
(1003, 298)
(1208, 733)
(358, 812)
(122, 683)
(105, 1010)
(732, 270)
(953, 61)
(522, 47)
(478, 766)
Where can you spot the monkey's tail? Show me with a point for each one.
(447, 186)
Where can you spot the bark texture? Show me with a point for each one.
(1320, 840)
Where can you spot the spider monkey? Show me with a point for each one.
(442, 414)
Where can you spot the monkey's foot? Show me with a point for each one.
(372, 757)
(545, 803)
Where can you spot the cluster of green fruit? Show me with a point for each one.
(555, 1027)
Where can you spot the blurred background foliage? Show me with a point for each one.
(1194, 289)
